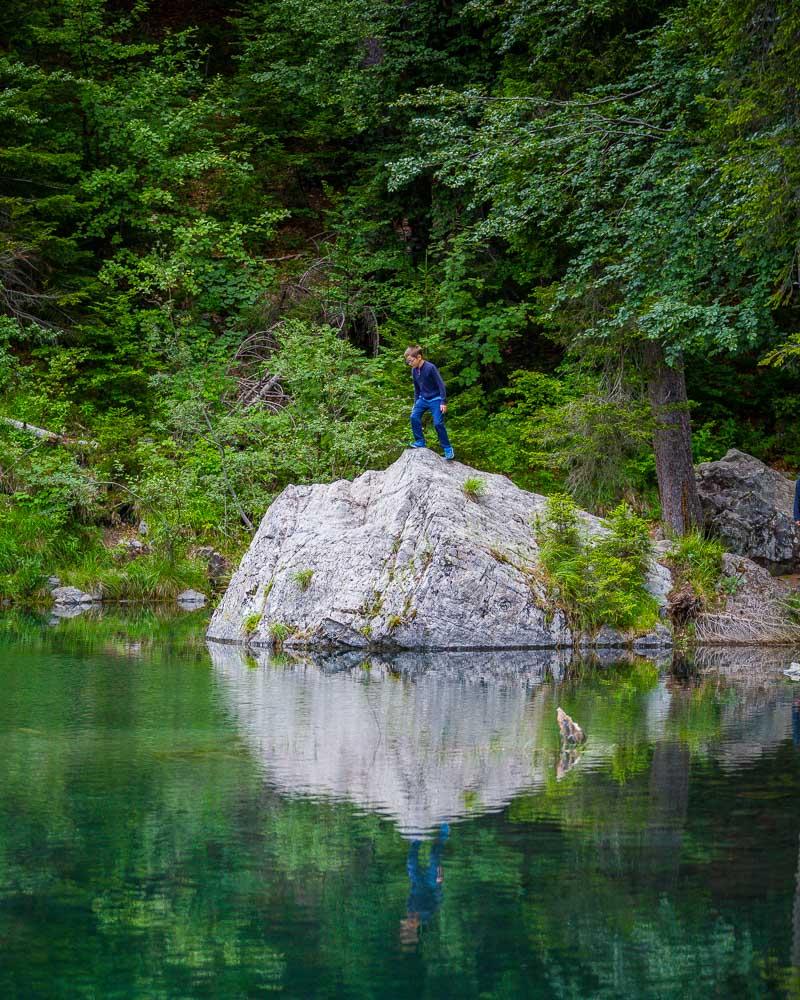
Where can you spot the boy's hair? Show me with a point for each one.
(413, 351)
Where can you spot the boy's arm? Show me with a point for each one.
(415, 380)
(797, 501)
(440, 384)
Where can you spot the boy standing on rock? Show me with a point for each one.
(429, 394)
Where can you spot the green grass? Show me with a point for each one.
(251, 623)
(279, 633)
(33, 549)
(372, 606)
(147, 578)
(697, 560)
(474, 488)
(303, 578)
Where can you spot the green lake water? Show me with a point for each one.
(178, 821)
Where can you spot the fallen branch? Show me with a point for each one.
(38, 432)
(44, 434)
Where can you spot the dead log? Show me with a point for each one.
(571, 732)
(44, 434)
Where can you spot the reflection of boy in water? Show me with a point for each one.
(426, 886)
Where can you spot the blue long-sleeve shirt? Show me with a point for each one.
(797, 500)
(428, 382)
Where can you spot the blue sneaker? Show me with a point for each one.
(417, 444)
(449, 454)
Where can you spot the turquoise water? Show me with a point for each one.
(176, 822)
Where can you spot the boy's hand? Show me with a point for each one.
(443, 408)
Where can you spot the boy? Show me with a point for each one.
(429, 394)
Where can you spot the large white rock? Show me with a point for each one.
(400, 557)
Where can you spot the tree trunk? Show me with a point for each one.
(672, 441)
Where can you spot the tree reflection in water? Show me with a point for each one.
(172, 829)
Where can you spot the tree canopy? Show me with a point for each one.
(220, 225)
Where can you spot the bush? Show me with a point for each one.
(597, 581)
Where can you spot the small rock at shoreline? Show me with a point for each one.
(70, 596)
(191, 599)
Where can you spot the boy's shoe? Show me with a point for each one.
(417, 444)
(449, 454)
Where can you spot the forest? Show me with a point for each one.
(222, 223)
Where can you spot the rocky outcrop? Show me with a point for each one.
(750, 507)
(405, 557)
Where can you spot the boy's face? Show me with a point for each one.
(417, 362)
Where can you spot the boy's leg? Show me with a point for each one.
(416, 422)
(438, 423)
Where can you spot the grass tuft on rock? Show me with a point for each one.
(279, 633)
(303, 578)
(697, 560)
(251, 623)
(474, 488)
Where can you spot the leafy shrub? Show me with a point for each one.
(597, 581)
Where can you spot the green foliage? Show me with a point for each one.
(372, 606)
(251, 623)
(152, 577)
(533, 192)
(303, 578)
(474, 488)
(279, 633)
(597, 580)
(697, 560)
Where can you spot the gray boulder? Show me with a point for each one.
(399, 558)
(216, 561)
(750, 507)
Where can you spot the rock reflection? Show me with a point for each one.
(757, 715)
(426, 739)
(422, 753)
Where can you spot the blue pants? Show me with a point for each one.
(435, 406)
